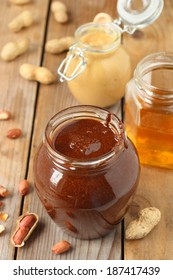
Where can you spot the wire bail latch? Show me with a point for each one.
(75, 52)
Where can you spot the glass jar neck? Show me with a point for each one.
(79, 112)
(92, 39)
(153, 78)
(98, 38)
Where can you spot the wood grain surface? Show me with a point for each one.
(19, 98)
(156, 184)
(32, 105)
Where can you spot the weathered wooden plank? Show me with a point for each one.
(52, 99)
(18, 96)
(155, 188)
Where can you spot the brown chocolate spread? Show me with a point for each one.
(85, 139)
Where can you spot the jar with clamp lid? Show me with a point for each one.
(149, 110)
(97, 66)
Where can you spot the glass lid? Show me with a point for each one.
(139, 13)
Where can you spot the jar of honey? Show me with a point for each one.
(149, 110)
(97, 66)
(86, 171)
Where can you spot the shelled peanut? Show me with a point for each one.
(23, 187)
(56, 46)
(36, 73)
(61, 247)
(3, 216)
(14, 133)
(3, 191)
(25, 226)
(23, 20)
(5, 115)
(14, 49)
(1, 204)
(59, 11)
(2, 228)
(3, 194)
(148, 218)
(20, 2)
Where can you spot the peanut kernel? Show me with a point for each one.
(23, 187)
(3, 191)
(3, 216)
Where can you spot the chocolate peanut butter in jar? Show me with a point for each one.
(149, 109)
(97, 66)
(86, 171)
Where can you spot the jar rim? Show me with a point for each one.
(154, 61)
(64, 115)
(99, 26)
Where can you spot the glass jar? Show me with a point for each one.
(149, 109)
(103, 81)
(97, 66)
(86, 196)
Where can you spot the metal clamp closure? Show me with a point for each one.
(123, 27)
(75, 52)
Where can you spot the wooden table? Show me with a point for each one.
(32, 105)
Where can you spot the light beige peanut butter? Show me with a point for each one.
(98, 39)
(108, 69)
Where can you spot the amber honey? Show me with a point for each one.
(149, 110)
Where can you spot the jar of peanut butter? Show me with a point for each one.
(149, 110)
(86, 171)
(97, 66)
